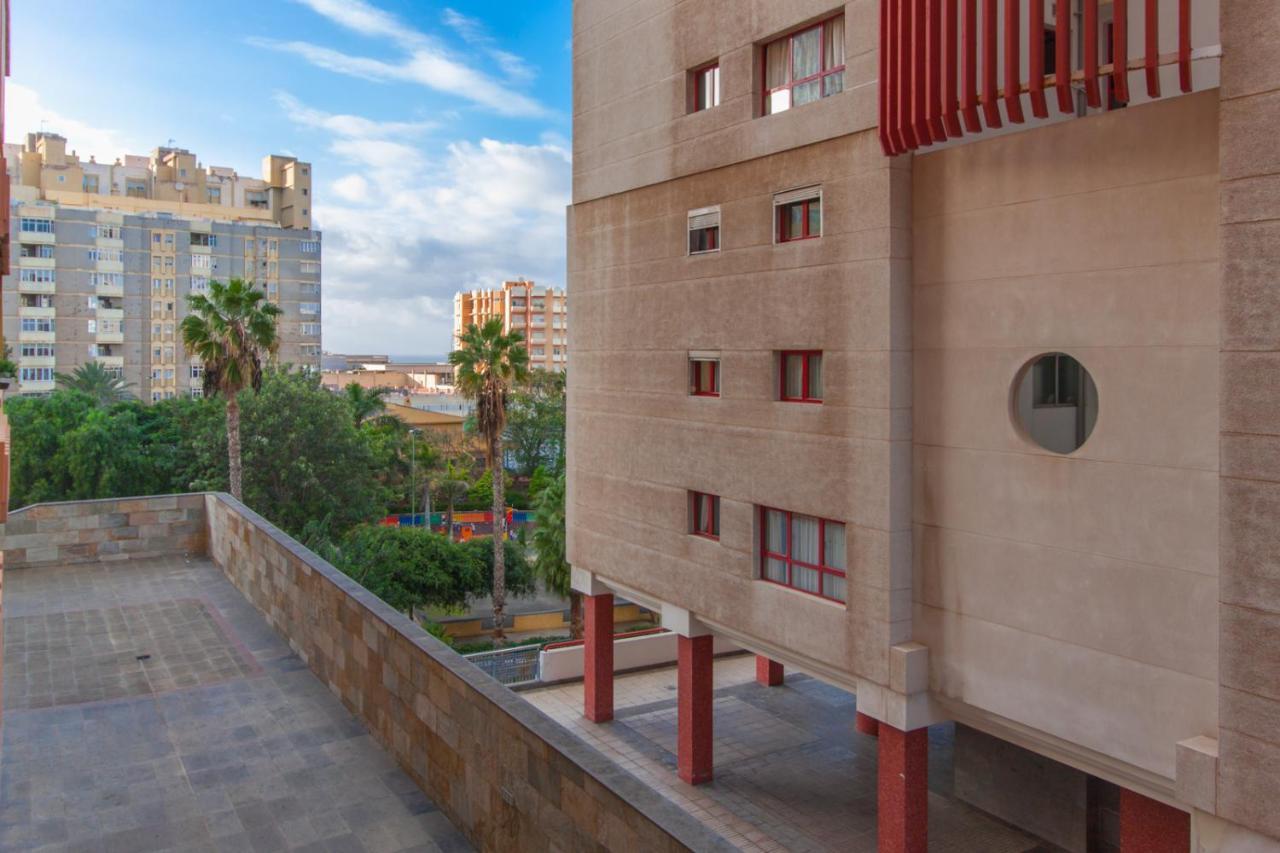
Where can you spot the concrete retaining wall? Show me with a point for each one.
(508, 777)
(110, 529)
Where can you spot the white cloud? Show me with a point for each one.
(25, 112)
(426, 62)
(405, 229)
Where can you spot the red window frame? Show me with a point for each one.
(821, 568)
(791, 64)
(806, 395)
(704, 515)
(805, 207)
(695, 378)
(699, 84)
(713, 240)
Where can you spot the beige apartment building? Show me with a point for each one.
(541, 314)
(104, 257)
(920, 350)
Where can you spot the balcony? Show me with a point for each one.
(34, 336)
(109, 266)
(109, 290)
(37, 386)
(37, 311)
(201, 725)
(30, 263)
(36, 286)
(109, 313)
(36, 361)
(36, 237)
(111, 362)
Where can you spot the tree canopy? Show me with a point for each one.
(101, 384)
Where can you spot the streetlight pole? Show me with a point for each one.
(413, 478)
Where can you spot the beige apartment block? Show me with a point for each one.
(540, 314)
(102, 270)
(983, 429)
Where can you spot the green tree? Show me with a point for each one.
(550, 563)
(365, 403)
(231, 330)
(8, 367)
(411, 568)
(520, 579)
(37, 427)
(489, 362)
(535, 423)
(108, 455)
(91, 378)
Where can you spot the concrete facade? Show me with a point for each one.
(1065, 603)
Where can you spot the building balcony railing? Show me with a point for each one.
(36, 286)
(109, 313)
(37, 311)
(109, 290)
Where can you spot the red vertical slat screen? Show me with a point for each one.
(990, 107)
(1035, 59)
(931, 90)
(1062, 58)
(969, 74)
(1153, 48)
(1089, 32)
(919, 56)
(1012, 62)
(1184, 45)
(950, 69)
(1120, 51)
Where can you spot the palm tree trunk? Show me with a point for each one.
(499, 540)
(448, 519)
(575, 615)
(233, 446)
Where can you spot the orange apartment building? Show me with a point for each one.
(920, 350)
(538, 313)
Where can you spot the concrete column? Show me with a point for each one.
(768, 671)
(693, 723)
(1149, 826)
(597, 675)
(902, 805)
(866, 725)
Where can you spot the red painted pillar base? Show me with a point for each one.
(866, 725)
(693, 723)
(1149, 826)
(768, 671)
(903, 797)
(597, 673)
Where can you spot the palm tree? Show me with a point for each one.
(453, 484)
(91, 378)
(364, 402)
(489, 362)
(230, 330)
(549, 547)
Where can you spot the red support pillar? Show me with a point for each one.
(903, 798)
(1149, 826)
(866, 725)
(597, 674)
(768, 672)
(693, 721)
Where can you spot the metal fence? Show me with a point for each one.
(510, 667)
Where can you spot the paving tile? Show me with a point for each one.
(221, 740)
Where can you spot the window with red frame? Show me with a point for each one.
(706, 87)
(801, 377)
(704, 515)
(704, 377)
(804, 66)
(799, 220)
(803, 552)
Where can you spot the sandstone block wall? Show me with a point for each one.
(111, 529)
(507, 776)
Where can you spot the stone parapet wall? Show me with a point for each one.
(504, 773)
(111, 529)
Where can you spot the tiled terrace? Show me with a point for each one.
(790, 771)
(148, 706)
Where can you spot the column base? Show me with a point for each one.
(866, 725)
(769, 672)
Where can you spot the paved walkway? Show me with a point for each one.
(790, 771)
(148, 707)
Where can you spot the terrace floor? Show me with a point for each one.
(790, 771)
(148, 706)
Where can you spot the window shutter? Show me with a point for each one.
(704, 217)
(792, 196)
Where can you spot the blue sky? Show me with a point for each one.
(470, 100)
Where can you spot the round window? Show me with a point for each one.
(1055, 402)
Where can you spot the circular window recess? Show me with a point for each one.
(1055, 402)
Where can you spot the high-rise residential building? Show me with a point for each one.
(105, 256)
(541, 314)
(958, 391)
